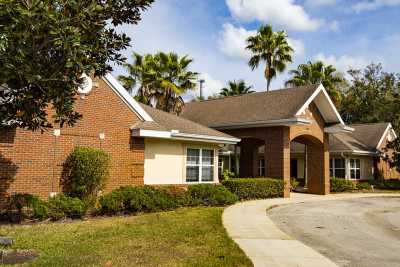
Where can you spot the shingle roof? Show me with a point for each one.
(364, 138)
(164, 121)
(249, 108)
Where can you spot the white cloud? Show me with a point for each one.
(281, 12)
(368, 5)
(343, 63)
(319, 3)
(232, 42)
(334, 26)
(211, 86)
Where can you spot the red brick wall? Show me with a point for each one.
(384, 169)
(30, 160)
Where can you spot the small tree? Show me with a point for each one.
(46, 45)
(86, 172)
(394, 161)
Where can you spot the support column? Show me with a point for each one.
(319, 182)
(277, 155)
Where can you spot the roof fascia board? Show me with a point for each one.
(313, 96)
(126, 97)
(355, 152)
(388, 128)
(283, 122)
(172, 135)
(336, 129)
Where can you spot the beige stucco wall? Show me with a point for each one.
(165, 161)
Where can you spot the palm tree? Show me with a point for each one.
(271, 47)
(318, 73)
(236, 88)
(161, 79)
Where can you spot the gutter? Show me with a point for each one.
(257, 124)
(176, 135)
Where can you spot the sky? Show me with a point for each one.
(343, 33)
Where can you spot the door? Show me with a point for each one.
(293, 168)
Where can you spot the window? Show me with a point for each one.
(355, 169)
(261, 167)
(199, 165)
(220, 166)
(337, 168)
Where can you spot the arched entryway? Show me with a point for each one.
(307, 163)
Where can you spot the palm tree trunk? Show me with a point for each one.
(266, 74)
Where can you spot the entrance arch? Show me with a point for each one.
(310, 156)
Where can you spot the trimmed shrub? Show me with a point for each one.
(62, 206)
(26, 206)
(85, 172)
(386, 184)
(255, 188)
(130, 199)
(363, 186)
(210, 195)
(342, 185)
(293, 184)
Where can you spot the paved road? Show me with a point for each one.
(350, 232)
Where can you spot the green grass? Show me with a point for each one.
(185, 237)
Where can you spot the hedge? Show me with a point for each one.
(386, 184)
(28, 207)
(255, 188)
(130, 199)
(342, 185)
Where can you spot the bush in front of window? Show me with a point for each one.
(210, 195)
(342, 185)
(255, 188)
(386, 184)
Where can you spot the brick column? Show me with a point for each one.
(277, 155)
(319, 167)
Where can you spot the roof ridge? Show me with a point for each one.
(253, 93)
(177, 116)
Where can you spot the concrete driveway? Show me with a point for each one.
(267, 245)
(354, 232)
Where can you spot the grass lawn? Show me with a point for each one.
(185, 237)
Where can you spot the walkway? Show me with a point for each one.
(265, 244)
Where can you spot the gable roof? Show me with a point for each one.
(262, 108)
(366, 137)
(159, 124)
(166, 125)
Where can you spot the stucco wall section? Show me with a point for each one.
(165, 162)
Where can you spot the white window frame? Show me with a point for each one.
(333, 168)
(355, 168)
(201, 165)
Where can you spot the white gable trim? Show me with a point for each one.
(126, 97)
(385, 133)
(313, 96)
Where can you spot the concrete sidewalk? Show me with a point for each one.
(265, 244)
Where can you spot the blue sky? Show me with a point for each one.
(344, 33)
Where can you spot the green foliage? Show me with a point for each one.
(317, 73)
(130, 199)
(62, 206)
(46, 45)
(394, 148)
(161, 78)
(26, 206)
(373, 96)
(85, 172)
(255, 188)
(342, 185)
(363, 186)
(228, 175)
(236, 88)
(293, 184)
(386, 184)
(272, 48)
(210, 195)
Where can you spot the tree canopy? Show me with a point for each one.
(46, 46)
(372, 96)
(236, 88)
(161, 79)
(272, 48)
(318, 73)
